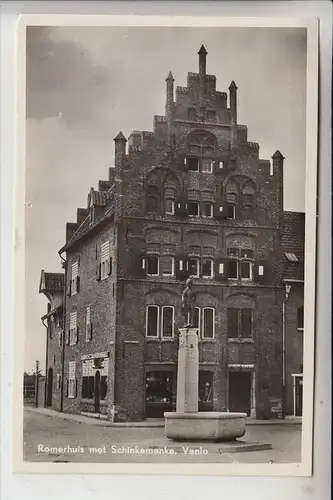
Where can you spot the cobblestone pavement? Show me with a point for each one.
(92, 443)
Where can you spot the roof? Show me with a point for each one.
(51, 282)
(293, 239)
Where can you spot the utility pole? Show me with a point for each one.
(37, 383)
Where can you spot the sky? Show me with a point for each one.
(85, 84)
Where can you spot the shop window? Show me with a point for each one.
(152, 320)
(208, 327)
(167, 321)
(152, 265)
(205, 387)
(300, 318)
(193, 208)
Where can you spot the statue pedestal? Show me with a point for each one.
(188, 373)
(187, 423)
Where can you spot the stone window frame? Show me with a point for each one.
(211, 209)
(197, 259)
(211, 276)
(203, 337)
(188, 208)
(157, 256)
(173, 266)
(173, 207)
(155, 306)
(173, 322)
(240, 259)
(239, 337)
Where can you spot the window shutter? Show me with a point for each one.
(78, 283)
(90, 331)
(262, 271)
(69, 288)
(110, 266)
(98, 271)
(183, 163)
(221, 269)
(78, 261)
(77, 335)
(142, 264)
(75, 393)
(66, 388)
(220, 210)
(67, 334)
(182, 267)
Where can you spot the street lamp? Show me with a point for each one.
(284, 325)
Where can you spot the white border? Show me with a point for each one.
(311, 166)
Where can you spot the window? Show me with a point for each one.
(167, 265)
(239, 322)
(105, 260)
(58, 382)
(88, 387)
(207, 268)
(88, 325)
(221, 268)
(246, 270)
(167, 321)
(71, 379)
(300, 318)
(231, 211)
(74, 277)
(169, 207)
(260, 270)
(207, 210)
(73, 330)
(207, 166)
(233, 269)
(221, 165)
(208, 327)
(193, 267)
(152, 265)
(193, 164)
(193, 208)
(152, 320)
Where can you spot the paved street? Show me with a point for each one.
(88, 442)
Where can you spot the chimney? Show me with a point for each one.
(120, 149)
(233, 112)
(277, 160)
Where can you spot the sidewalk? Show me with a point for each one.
(152, 423)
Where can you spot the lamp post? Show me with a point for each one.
(284, 325)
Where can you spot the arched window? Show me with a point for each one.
(232, 195)
(248, 199)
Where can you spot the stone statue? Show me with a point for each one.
(188, 303)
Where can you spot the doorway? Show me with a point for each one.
(240, 383)
(97, 392)
(49, 387)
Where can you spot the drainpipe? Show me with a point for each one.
(46, 364)
(64, 262)
(284, 325)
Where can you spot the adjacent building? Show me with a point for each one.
(191, 198)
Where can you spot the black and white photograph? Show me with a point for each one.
(169, 246)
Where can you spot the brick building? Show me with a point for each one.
(192, 198)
